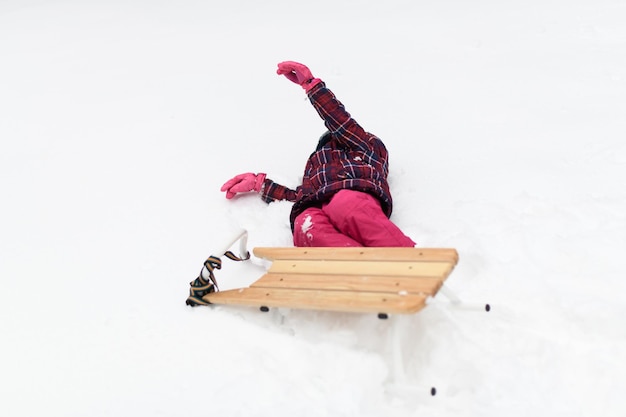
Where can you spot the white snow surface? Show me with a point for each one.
(120, 120)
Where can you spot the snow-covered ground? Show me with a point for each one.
(120, 120)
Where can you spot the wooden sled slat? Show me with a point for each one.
(397, 268)
(389, 284)
(369, 254)
(374, 280)
(358, 302)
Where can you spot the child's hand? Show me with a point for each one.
(243, 183)
(298, 73)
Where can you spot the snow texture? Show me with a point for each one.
(120, 120)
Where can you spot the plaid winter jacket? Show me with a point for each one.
(347, 157)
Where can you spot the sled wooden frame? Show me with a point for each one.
(361, 280)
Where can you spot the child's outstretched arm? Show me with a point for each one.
(337, 120)
(258, 183)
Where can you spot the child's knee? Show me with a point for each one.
(302, 225)
(313, 228)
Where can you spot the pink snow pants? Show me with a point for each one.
(350, 218)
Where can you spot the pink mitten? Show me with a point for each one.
(243, 183)
(298, 73)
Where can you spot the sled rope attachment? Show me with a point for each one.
(206, 282)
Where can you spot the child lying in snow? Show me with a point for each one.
(344, 199)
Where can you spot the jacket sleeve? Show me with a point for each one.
(338, 121)
(272, 191)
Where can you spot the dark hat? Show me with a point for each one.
(324, 139)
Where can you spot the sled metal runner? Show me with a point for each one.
(360, 280)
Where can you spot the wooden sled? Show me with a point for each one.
(362, 280)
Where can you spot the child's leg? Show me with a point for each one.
(359, 216)
(313, 228)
